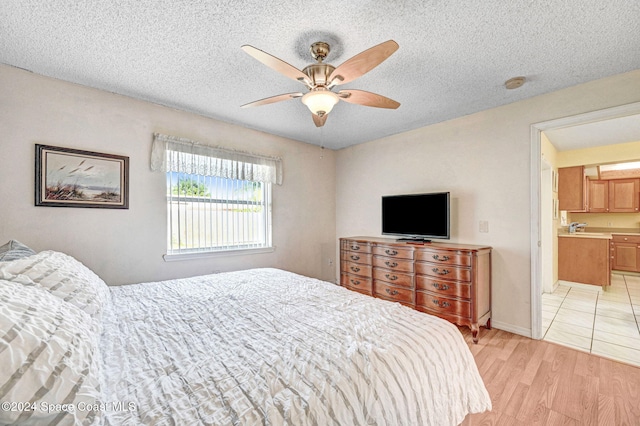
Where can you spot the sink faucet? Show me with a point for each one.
(573, 226)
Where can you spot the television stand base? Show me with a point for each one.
(414, 240)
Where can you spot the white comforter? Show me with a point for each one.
(266, 346)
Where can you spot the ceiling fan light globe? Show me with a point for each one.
(320, 102)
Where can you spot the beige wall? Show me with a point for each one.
(600, 155)
(484, 160)
(607, 220)
(125, 246)
(549, 151)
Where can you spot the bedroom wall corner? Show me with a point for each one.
(484, 160)
(125, 246)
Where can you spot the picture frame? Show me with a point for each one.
(68, 177)
(554, 180)
(556, 211)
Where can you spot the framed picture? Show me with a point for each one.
(73, 178)
(555, 208)
(554, 180)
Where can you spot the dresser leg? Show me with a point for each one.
(474, 332)
(489, 324)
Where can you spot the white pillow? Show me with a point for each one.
(63, 276)
(14, 250)
(49, 355)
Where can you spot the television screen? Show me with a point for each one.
(416, 216)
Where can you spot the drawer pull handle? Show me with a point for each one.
(355, 269)
(354, 257)
(439, 272)
(355, 247)
(391, 264)
(355, 282)
(442, 304)
(441, 286)
(391, 292)
(391, 252)
(441, 259)
(391, 277)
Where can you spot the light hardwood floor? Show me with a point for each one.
(538, 382)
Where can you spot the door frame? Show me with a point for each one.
(546, 224)
(536, 164)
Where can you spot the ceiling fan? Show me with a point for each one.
(320, 78)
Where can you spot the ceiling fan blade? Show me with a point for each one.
(362, 63)
(272, 99)
(362, 97)
(277, 64)
(319, 121)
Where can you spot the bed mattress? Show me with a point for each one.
(265, 346)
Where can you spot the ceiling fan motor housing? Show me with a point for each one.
(319, 73)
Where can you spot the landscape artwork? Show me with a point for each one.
(73, 178)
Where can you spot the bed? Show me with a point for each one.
(261, 346)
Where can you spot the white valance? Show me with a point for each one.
(174, 154)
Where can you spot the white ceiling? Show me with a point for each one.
(599, 133)
(453, 59)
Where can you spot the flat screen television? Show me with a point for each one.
(416, 217)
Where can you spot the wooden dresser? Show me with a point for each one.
(452, 281)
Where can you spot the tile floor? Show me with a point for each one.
(586, 318)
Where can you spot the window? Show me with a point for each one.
(217, 200)
(208, 213)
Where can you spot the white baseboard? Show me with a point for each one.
(526, 332)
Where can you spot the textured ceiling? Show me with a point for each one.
(453, 59)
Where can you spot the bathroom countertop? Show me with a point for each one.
(605, 233)
(599, 235)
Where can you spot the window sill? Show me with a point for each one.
(221, 253)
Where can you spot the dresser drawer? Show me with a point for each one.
(443, 287)
(355, 282)
(357, 257)
(443, 305)
(393, 252)
(391, 292)
(393, 277)
(356, 268)
(393, 264)
(437, 270)
(356, 246)
(444, 257)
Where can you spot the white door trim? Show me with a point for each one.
(536, 258)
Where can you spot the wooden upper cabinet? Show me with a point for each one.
(624, 195)
(598, 196)
(572, 189)
(576, 193)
